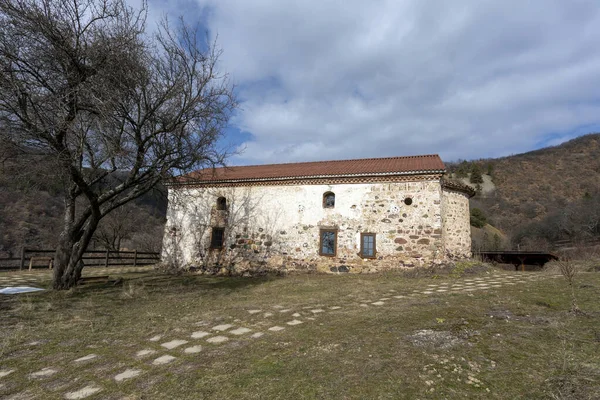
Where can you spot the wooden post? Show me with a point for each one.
(106, 259)
(31, 263)
(22, 258)
(135, 258)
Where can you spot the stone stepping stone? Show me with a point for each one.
(294, 322)
(296, 315)
(427, 292)
(200, 334)
(163, 360)
(442, 290)
(44, 372)
(6, 372)
(127, 374)
(285, 311)
(257, 335)
(217, 339)
(193, 349)
(173, 344)
(86, 358)
(82, 393)
(221, 328)
(145, 352)
(399, 297)
(276, 328)
(378, 303)
(331, 308)
(155, 338)
(433, 285)
(240, 331)
(268, 314)
(496, 285)
(317, 311)
(254, 311)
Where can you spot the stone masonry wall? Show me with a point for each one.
(457, 226)
(278, 226)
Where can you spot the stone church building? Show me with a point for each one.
(329, 216)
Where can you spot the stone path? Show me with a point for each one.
(159, 350)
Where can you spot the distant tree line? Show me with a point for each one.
(578, 221)
(473, 170)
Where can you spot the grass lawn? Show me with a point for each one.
(495, 334)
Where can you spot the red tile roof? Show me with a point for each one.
(410, 165)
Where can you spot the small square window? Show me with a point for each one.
(217, 238)
(367, 245)
(328, 242)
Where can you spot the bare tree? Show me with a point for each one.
(118, 109)
(568, 269)
(118, 226)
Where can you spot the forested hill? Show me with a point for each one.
(31, 211)
(545, 195)
(535, 199)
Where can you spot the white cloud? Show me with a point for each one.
(349, 79)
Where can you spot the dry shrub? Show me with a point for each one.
(569, 270)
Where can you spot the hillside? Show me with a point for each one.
(533, 199)
(540, 193)
(31, 210)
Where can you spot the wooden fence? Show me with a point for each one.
(32, 258)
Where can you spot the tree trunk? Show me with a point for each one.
(71, 246)
(68, 266)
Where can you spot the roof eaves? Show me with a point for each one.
(192, 181)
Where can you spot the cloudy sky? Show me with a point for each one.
(333, 79)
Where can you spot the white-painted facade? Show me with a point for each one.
(279, 226)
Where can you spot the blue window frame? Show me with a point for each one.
(367, 245)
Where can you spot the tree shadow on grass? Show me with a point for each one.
(162, 283)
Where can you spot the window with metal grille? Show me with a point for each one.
(367, 245)
(217, 238)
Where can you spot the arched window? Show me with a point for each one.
(221, 203)
(328, 200)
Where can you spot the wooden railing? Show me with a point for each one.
(34, 258)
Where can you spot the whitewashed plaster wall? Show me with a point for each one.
(279, 225)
